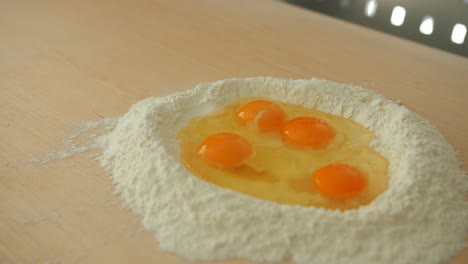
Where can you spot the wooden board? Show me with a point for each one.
(64, 63)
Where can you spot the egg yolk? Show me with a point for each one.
(264, 115)
(339, 181)
(308, 132)
(225, 150)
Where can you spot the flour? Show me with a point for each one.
(421, 218)
(73, 147)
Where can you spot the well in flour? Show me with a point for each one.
(421, 218)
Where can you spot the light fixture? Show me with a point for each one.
(371, 8)
(398, 16)
(458, 33)
(427, 25)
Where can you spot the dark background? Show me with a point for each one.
(446, 13)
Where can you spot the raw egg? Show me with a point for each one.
(225, 150)
(308, 132)
(261, 114)
(285, 153)
(339, 181)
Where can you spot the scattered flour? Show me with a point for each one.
(421, 218)
(71, 142)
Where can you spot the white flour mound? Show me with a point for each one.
(421, 218)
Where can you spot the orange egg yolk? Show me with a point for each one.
(308, 132)
(262, 114)
(225, 150)
(339, 181)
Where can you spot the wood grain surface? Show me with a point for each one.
(65, 62)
